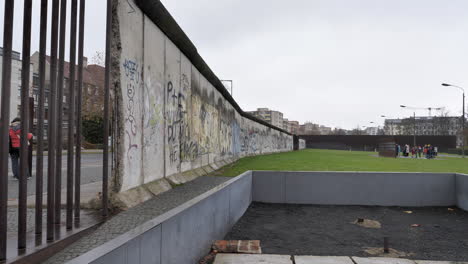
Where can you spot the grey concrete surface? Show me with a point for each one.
(355, 188)
(207, 217)
(462, 191)
(322, 260)
(252, 259)
(268, 187)
(91, 171)
(121, 229)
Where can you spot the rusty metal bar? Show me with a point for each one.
(4, 123)
(71, 113)
(51, 121)
(40, 117)
(24, 171)
(78, 110)
(60, 81)
(105, 169)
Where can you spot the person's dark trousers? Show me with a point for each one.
(15, 164)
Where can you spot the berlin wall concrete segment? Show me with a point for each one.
(182, 235)
(173, 115)
(360, 188)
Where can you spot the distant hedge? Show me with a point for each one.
(93, 129)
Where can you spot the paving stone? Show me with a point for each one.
(136, 216)
(322, 260)
(382, 261)
(252, 259)
(438, 262)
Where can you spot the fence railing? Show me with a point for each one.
(58, 19)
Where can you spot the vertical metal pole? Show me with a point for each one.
(23, 181)
(41, 110)
(78, 110)
(105, 170)
(463, 127)
(4, 123)
(51, 121)
(414, 139)
(71, 114)
(60, 81)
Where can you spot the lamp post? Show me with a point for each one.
(463, 116)
(230, 81)
(414, 118)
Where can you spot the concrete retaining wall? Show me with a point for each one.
(182, 235)
(171, 117)
(462, 191)
(185, 234)
(359, 188)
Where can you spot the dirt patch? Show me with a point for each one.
(393, 253)
(328, 231)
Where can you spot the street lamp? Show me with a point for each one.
(230, 81)
(414, 117)
(463, 116)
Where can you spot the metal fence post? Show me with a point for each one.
(78, 110)
(52, 125)
(41, 110)
(105, 170)
(24, 170)
(60, 81)
(71, 114)
(4, 123)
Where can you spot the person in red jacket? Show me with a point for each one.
(15, 143)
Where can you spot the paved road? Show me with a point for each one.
(91, 171)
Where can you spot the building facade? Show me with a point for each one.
(424, 125)
(294, 127)
(270, 116)
(15, 97)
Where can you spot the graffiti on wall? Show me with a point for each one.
(132, 75)
(153, 112)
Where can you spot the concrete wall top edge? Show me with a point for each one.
(156, 11)
(107, 247)
(361, 172)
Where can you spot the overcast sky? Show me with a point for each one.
(339, 63)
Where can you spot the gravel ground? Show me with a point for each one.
(328, 230)
(138, 215)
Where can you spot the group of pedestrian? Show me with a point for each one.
(428, 151)
(14, 146)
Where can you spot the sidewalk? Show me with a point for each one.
(88, 193)
(83, 151)
(287, 259)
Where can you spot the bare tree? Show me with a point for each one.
(99, 58)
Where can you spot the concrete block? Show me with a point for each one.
(268, 187)
(382, 261)
(181, 178)
(438, 262)
(159, 186)
(117, 256)
(133, 251)
(252, 259)
(462, 191)
(130, 198)
(370, 188)
(240, 195)
(207, 169)
(150, 246)
(322, 260)
(206, 220)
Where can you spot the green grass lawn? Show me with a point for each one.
(335, 160)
